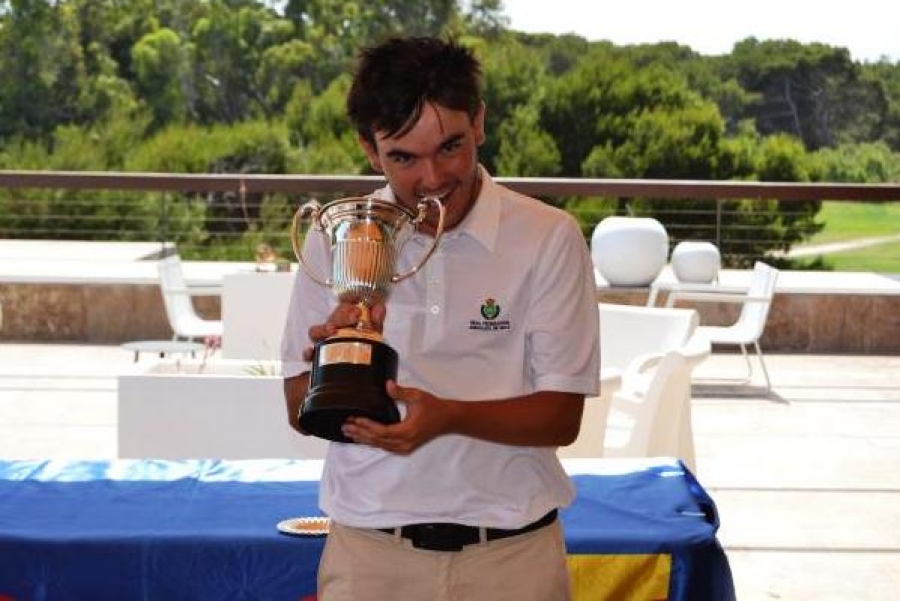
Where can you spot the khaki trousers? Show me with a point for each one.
(367, 565)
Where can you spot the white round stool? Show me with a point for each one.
(629, 251)
(696, 262)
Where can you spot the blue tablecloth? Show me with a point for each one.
(205, 529)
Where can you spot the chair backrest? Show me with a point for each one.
(628, 332)
(671, 434)
(657, 414)
(179, 307)
(752, 320)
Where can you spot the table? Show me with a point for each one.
(254, 311)
(163, 347)
(730, 281)
(655, 289)
(205, 529)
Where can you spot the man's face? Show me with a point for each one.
(437, 157)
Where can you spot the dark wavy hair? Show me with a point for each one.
(393, 80)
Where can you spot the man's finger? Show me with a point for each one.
(322, 331)
(396, 392)
(377, 315)
(345, 315)
(363, 430)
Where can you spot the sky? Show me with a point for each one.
(870, 29)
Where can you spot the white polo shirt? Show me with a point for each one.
(504, 307)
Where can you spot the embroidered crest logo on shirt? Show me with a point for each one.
(490, 311)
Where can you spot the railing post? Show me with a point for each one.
(719, 223)
(164, 232)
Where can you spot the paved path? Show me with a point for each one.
(807, 481)
(836, 247)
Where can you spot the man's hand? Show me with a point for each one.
(539, 419)
(345, 315)
(294, 391)
(427, 417)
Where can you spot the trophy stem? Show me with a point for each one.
(363, 329)
(365, 317)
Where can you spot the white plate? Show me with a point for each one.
(307, 526)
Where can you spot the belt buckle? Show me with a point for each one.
(437, 537)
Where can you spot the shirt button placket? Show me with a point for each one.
(434, 298)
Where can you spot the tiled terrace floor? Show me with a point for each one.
(807, 481)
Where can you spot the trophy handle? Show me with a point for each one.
(311, 207)
(423, 210)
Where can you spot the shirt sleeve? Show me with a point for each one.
(563, 319)
(311, 303)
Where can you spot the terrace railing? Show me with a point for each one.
(226, 215)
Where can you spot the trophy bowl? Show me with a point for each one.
(351, 368)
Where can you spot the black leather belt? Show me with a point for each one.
(453, 537)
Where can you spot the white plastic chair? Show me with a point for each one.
(628, 332)
(651, 415)
(751, 322)
(631, 338)
(183, 318)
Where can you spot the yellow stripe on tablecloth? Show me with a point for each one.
(615, 577)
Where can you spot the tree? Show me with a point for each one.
(223, 224)
(40, 68)
(663, 142)
(629, 122)
(322, 131)
(337, 29)
(887, 75)
(514, 77)
(559, 54)
(601, 104)
(281, 68)
(814, 92)
(485, 18)
(228, 44)
(248, 86)
(780, 224)
(526, 150)
(857, 163)
(159, 62)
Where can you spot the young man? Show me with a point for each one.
(498, 347)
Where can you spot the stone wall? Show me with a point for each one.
(806, 323)
(101, 313)
(116, 313)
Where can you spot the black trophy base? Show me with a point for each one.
(348, 380)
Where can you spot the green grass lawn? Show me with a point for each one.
(883, 258)
(846, 221)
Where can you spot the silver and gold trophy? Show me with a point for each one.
(351, 368)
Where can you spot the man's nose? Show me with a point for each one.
(432, 178)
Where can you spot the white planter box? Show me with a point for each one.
(177, 411)
(254, 310)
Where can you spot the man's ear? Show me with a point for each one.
(371, 154)
(478, 123)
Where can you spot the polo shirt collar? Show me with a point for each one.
(482, 224)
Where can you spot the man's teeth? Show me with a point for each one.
(440, 197)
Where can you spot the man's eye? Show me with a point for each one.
(451, 146)
(401, 159)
